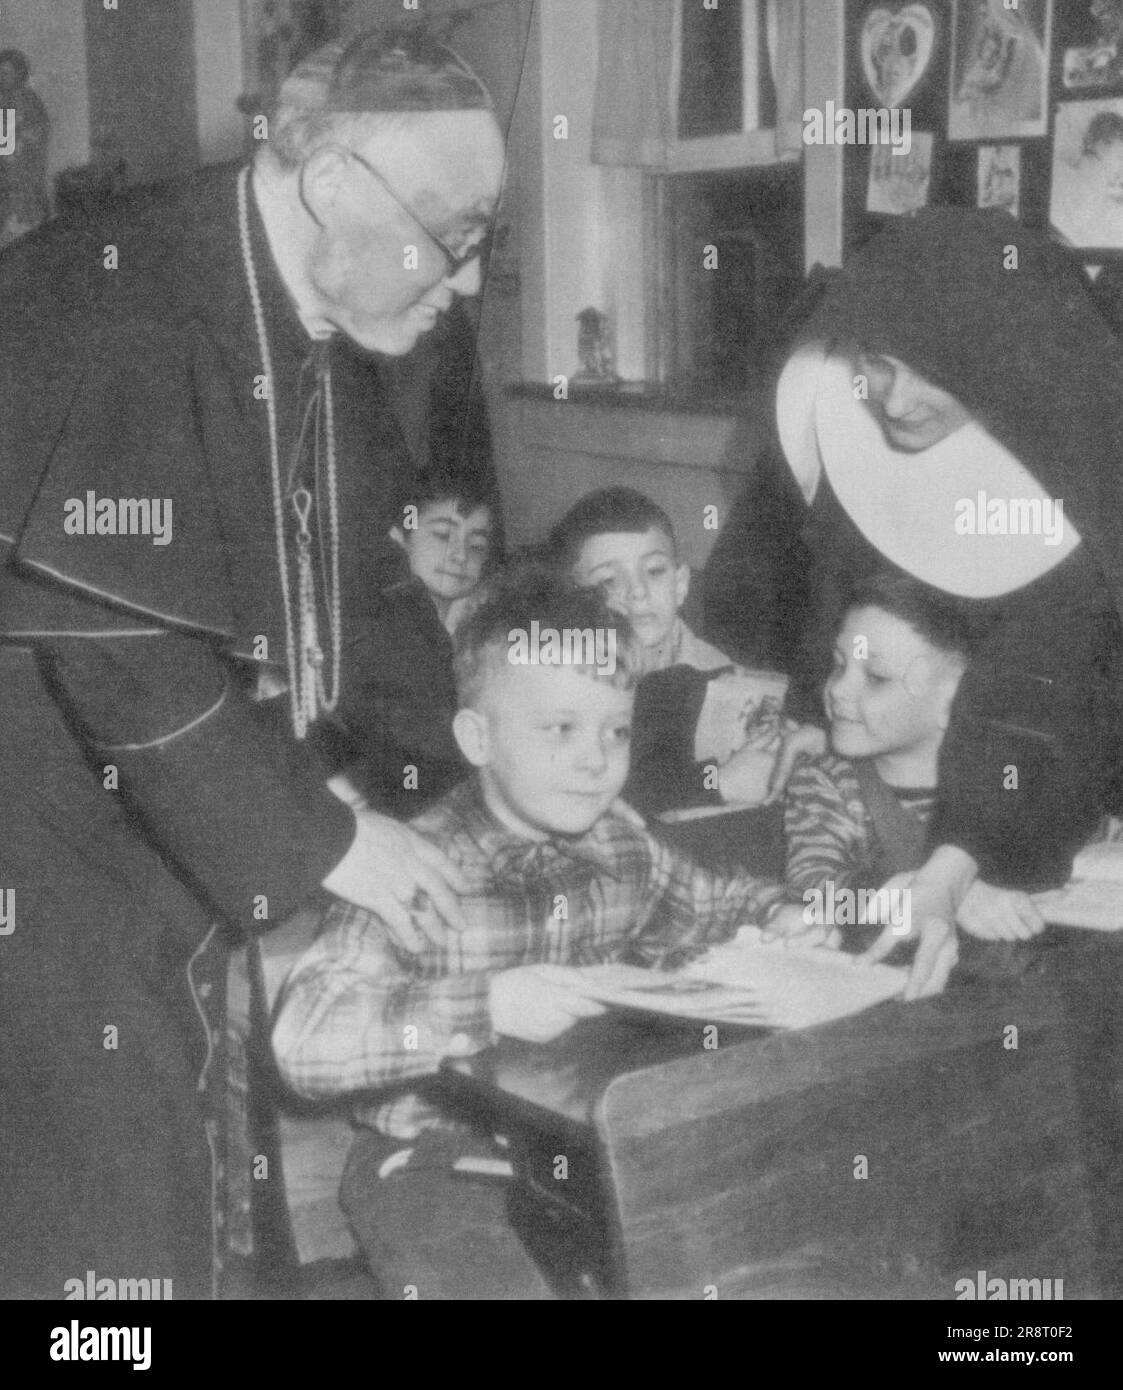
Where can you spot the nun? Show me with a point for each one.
(952, 407)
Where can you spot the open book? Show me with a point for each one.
(742, 982)
(1094, 895)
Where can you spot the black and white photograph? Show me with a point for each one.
(897, 49)
(561, 672)
(1086, 206)
(1097, 62)
(899, 179)
(1000, 177)
(1000, 69)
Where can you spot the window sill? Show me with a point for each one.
(750, 149)
(640, 423)
(633, 395)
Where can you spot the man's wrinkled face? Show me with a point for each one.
(380, 276)
(913, 414)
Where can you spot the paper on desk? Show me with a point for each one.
(1102, 861)
(771, 986)
(1094, 896)
(1083, 903)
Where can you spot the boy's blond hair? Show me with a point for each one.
(531, 596)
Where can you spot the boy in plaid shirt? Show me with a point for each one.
(559, 871)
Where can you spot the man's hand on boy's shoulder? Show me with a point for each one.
(525, 1003)
(397, 874)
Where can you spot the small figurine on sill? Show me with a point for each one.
(594, 349)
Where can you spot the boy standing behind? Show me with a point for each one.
(559, 873)
(619, 541)
(400, 714)
(705, 731)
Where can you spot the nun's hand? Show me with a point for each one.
(936, 954)
(922, 906)
(800, 740)
(999, 914)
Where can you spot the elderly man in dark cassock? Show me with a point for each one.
(206, 356)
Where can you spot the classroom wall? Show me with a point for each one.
(219, 79)
(53, 36)
(580, 231)
(141, 76)
(685, 462)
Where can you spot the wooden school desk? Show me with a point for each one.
(887, 1155)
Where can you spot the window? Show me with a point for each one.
(723, 88)
(729, 248)
(719, 58)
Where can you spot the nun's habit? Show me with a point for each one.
(1003, 321)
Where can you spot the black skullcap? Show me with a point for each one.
(391, 68)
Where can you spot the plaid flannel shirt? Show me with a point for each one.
(358, 1012)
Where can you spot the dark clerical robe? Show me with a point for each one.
(402, 706)
(146, 797)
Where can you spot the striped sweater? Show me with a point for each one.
(828, 828)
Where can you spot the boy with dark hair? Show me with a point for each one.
(400, 717)
(619, 541)
(448, 531)
(705, 730)
(559, 873)
(857, 816)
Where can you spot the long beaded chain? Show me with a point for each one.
(307, 692)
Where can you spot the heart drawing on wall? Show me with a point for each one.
(896, 50)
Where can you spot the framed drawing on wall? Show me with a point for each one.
(1086, 207)
(896, 48)
(976, 64)
(1000, 177)
(899, 180)
(999, 88)
(1093, 59)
